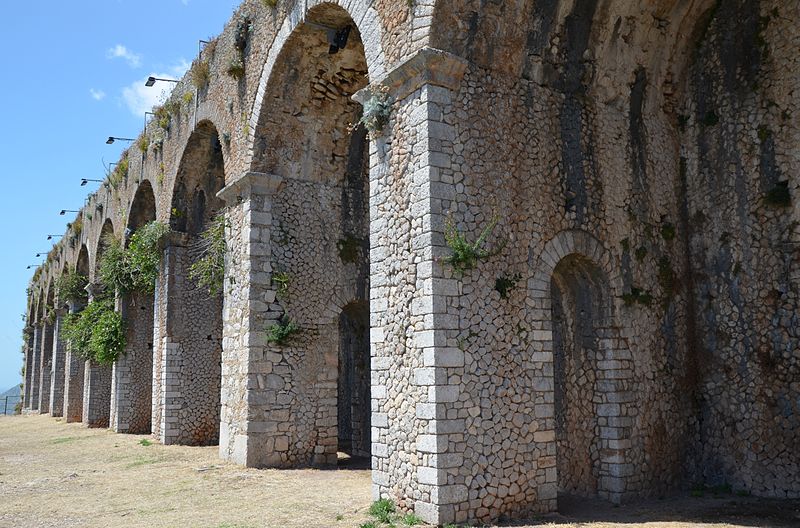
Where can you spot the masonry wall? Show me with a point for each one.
(739, 149)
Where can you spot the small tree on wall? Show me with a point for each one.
(71, 286)
(134, 268)
(208, 271)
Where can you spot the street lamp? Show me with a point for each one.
(152, 80)
(65, 211)
(50, 237)
(84, 181)
(112, 139)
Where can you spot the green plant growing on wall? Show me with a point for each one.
(377, 110)
(668, 231)
(120, 171)
(188, 98)
(134, 268)
(465, 254)
(638, 296)
(200, 73)
(143, 143)
(97, 333)
(281, 281)
(779, 196)
(349, 248)
(209, 270)
(235, 67)
(107, 343)
(71, 286)
(272, 4)
(280, 332)
(505, 283)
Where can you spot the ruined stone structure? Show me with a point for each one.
(630, 169)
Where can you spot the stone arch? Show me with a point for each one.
(46, 352)
(132, 374)
(143, 207)
(74, 365)
(573, 289)
(82, 263)
(319, 236)
(188, 353)
(367, 23)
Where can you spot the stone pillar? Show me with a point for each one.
(29, 348)
(253, 425)
(186, 380)
(132, 384)
(73, 379)
(96, 387)
(417, 365)
(45, 367)
(36, 353)
(58, 367)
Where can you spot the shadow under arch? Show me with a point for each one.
(320, 243)
(188, 354)
(132, 376)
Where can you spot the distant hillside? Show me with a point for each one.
(13, 391)
(13, 397)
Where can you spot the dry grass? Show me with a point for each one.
(54, 474)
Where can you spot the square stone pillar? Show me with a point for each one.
(45, 367)
(416, 364)
(58, 366)
(96, 394)
(36, 353)
(96, 387)
(253, 428)
(73, 379)
(29, 348)
(186, 379)
(132, 373)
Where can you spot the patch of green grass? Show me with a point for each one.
(382, 510)
(340, 517)
(143, 461)
(410, 520)
(369, 524)
(65, 439)
(145, 442)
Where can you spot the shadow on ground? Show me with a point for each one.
(719, 510)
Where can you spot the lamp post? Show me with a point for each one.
(84, 181)
(65, 211)
(152, 80)
(112, 139)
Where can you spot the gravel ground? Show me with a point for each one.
(61, 475)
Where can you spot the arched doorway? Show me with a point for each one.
(579, 297)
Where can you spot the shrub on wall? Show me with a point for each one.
(465, 254)
(134, 268)
(97, 333)
(209, 270)
(377, 109)
(71, 285)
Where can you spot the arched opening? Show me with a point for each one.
(580, 314)
(46, 362)
(190, 315)
(74, 364)
(319, 247)
(131, 395)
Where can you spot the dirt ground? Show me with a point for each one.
(54, 474)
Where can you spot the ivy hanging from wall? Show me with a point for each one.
(97, 333)
(209, 270)
(71, 286)
(135, 268)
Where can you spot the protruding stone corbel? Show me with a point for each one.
(249, 184)
(173, 239)
(427, 66)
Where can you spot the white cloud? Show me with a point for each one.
(97, 95)
(121, 52)
(140, 98)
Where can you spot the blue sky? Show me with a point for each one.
(72, 74)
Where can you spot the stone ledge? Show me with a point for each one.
(249, 184)
(427, 66)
